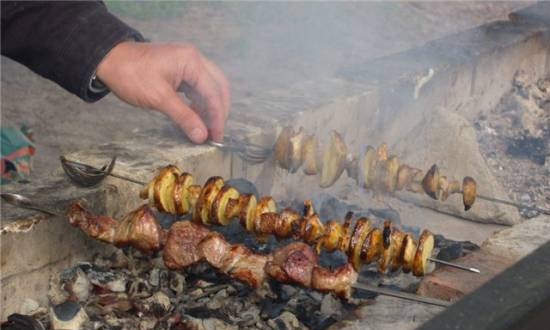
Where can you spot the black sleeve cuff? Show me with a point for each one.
(89, 43)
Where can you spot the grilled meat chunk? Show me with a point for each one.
(293, 264)
(181, 248)
(337, 281)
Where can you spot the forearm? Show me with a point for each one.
(62, 41)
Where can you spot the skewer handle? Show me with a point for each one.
(401, 295)
(450, 264)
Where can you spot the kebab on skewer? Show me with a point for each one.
(217, 204)
(375, 170)
(187, 243)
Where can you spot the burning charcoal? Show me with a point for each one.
(22, 322)
(177, 282)
(249, 317)
(286, 320)
(154, 277)
(70, 284)
(67, 316)
(139, 288)
(330, 306)
(218, 300)
(206, 324)
(111, 281)
(116, 260)
(271, 309)
(157, 305)
(113, 302)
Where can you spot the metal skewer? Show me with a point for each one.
(450, 264)
(401, 295)
(518, 205)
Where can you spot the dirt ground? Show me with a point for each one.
(261, 46)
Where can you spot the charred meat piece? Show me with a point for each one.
(334, 160)
(337, 281)
(181, 249)
(99, 227)
(469, 188)
(293, 264)
(285, 224)
(141, 230)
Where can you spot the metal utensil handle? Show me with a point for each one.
(401, 295)
(31, 206)
(122, 177)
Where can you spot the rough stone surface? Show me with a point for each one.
(451, 284)
(382, 315)
(449, 140)
(521, 239)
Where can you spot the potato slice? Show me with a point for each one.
(282, 147)
(164, 188)
(332, 236)
(469, 189)
(367, 166)
(295, 152)
(345, 239)
(397, 238)
(247, 213)
(423, 252)
(372, 246)
(408, 252)
(334, 160)
(362, 229)
(194, 192)
(219, 207)
(390, 180)
(430, 183)
(206, 198)
(385, 258)
(181, 193)
(309, 155)
(382, 152)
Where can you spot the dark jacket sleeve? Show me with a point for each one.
(62, 40)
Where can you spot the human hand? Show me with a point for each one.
(149, 76)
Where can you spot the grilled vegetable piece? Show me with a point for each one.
(390, 178)
(362, 229)
(219, 213)
(295, 152)
(408, 253)
(345, 239)
(372, 246)
(309, 155)
(443, 188)
(423, 252)
(266, 205)
(286, 223)
(331, 237)
(181, 193)
(405, 176)
(164, 189)
(334, 160)
(282, 146)
(469, 188)
(206, 198)
(388, 248)
(247, 211)
(352, 167)
(367, 166)
(430, 183)
(397, 239)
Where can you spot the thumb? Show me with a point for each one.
(191, 124)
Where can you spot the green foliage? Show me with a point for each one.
(146, 9)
